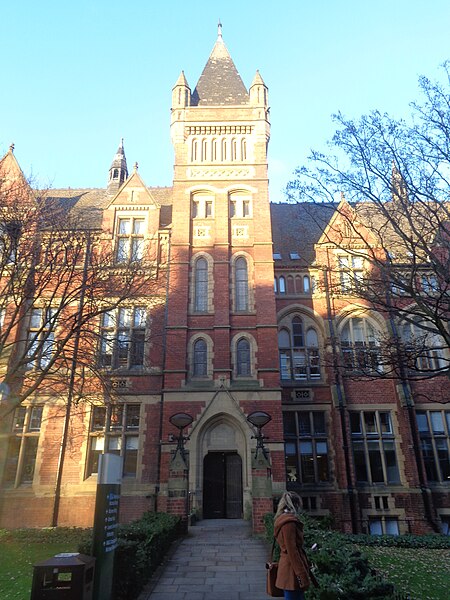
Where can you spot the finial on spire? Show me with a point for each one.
(219, 29)
(136, 167)
(11, 148)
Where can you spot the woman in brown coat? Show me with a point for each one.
(293, 568)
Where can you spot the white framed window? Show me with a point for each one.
(373, 444)
(298, 351)
(424, 350)
(130, 239)
(351, 272)
(41, 337)
(114, 429)
(306, 447)
(122, 338)
(22, 446)
(434, 432)
(360, 346)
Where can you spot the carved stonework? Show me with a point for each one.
(220, 173)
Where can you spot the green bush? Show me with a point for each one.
(343, 572)
(142, 545)
(430, 541)
(46, 535)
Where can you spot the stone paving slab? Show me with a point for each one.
(219, 559)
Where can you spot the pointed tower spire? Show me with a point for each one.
(220, 83)
(258, 91)
(118, 171)
(181, 93)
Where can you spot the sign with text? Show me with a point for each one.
(105, 523)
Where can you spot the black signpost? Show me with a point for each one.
(105, 523)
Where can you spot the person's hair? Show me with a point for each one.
(289, 502)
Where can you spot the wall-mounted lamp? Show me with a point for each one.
(181, 421)
(259, 419)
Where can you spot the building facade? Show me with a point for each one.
(234, 319)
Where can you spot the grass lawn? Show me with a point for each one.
(17, 558)
(423, 573)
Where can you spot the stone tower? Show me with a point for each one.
(221, 310)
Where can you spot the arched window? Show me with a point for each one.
(243, 365)
(204, 150)
(299, 353)
(233, 149)
(241, 284)
(243, 149)
(360, 346)
(200, 366)
(214, 150)
(201, 285)
(224, 149)
(424, 349)
(194, 150)
(275, 285)
(306, 286)
(282, 285)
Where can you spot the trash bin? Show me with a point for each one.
(67, 576)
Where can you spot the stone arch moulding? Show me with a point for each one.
(305, 311)
(224, 430)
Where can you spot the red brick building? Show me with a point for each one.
(213, 337)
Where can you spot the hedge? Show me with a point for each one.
(142, 545)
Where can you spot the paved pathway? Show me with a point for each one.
(218, 560)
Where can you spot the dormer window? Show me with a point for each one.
(130, 240)
(276, 256)
(294, 255)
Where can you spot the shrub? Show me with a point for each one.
(343, 572)
(141, 547)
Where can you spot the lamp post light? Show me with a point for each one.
(259, 419)
(181, 421)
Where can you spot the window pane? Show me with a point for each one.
(29, 459)
(385, 422)
(304, 425)
(422, 421)
(98, 418)
(375, 527)
(437, 423)
(124, 226)
(319, 422)
(428, 459)
(289, 423)
(300, 364)
(312, 339)
(97, 445)
(132, 416)
(36, 418)
(138, 226)
(355, 422)
(370, 422)
(140, 317)
(137, 348)
(36, 318)
(125, 316)
(392, 472)
(137, 249)
(114, 444)
(376, 468)
(443, 459)
(297, 332)
(284, 339)
(307, 462)
(116, 417)
(243, 358)
(282, 285)
(12, 459)
(123, 245)
(241, 277)
(130, 456)
(322, 460)
(285, 365)
(200, 359)
(360, 461)
(201, 285)
(391, 526)
(291, 463)
(19, 418)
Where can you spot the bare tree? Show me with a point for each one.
(393, 222)
(59, 277)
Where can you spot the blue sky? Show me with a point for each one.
(77, 76)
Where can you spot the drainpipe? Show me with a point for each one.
(426, 492)
(161, 402)
(71, 386)
(354, 510)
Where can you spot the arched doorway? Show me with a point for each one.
(222, 485)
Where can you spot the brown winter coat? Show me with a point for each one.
(293, 564)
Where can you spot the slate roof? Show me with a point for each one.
(87, 205)
(296, 228)
(220, 83)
